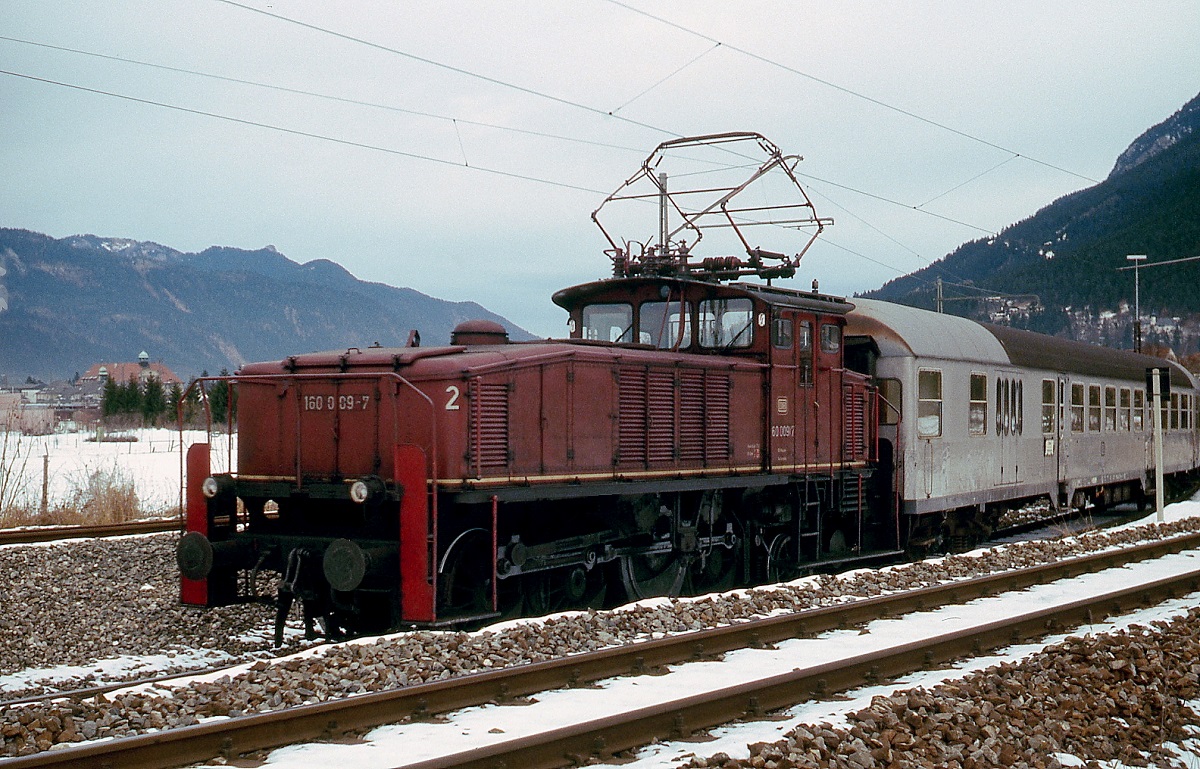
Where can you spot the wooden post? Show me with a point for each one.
(45, 483)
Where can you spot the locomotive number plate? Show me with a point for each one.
(336, 402)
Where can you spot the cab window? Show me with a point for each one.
(831, 337)
(890, 395)
(663, 325)
(781, 333)
(608, 322)
(977, 416)
(726, 322)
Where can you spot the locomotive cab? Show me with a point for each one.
(680, 315)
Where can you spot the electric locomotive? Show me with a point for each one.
(693, 433)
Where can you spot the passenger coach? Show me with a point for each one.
(984, 417)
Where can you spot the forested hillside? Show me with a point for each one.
(1069, 253)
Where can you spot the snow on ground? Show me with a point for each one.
(403, 744)
(151, 463)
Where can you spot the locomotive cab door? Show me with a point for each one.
(785, 404)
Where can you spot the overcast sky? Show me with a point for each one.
(459, 148)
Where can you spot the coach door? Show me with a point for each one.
(1061, 444)
(1010, 424)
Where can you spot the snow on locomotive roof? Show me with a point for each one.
(901, 331)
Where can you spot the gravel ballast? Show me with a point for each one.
(102, 584)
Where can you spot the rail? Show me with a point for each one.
(232, 737)
(51, 533)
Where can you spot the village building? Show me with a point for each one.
(142, 371)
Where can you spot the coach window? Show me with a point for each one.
(1123, 414)
(1139, 410)
(1093, 408)
(1185, 412)
(1048, 407)
(663, 325)
(804, 339)
(929, 403)
(1018, 406)
(1110, 408)
(1076, 408)
(1174, 411)
(781, 333)
(608, 322)
(1001, 403)
(726, 322)
(977, 418)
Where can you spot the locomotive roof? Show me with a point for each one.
(900, 330)
(570, 297)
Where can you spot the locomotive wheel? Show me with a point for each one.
(653, 575)
(717, 572)
(781, 559)
(465, 578)
(563, 589)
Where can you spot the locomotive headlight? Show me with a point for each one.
(211, 487)
(371, 490)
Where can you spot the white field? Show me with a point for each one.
(66, 461)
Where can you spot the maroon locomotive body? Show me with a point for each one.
(691, 434)
(728, 443)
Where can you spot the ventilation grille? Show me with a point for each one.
(669, 415)
(489, 425)
(854, 417)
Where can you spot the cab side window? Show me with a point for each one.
(726, 323)
(831, 337)
(781, 333)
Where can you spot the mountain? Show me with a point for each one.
(1069, 253)
(65, 304)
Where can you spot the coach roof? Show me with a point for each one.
(901, 331)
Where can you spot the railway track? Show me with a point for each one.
(232, 737)
(52, 533)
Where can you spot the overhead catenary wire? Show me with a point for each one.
(388, 150)
(324, 96)
(845, 90)
(450, 67)
(1148, 264)
(715, 44)
(664, 79)
(596, 110)
(307, 134)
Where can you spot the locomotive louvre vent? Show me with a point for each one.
(489, 424)
(667, 416)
